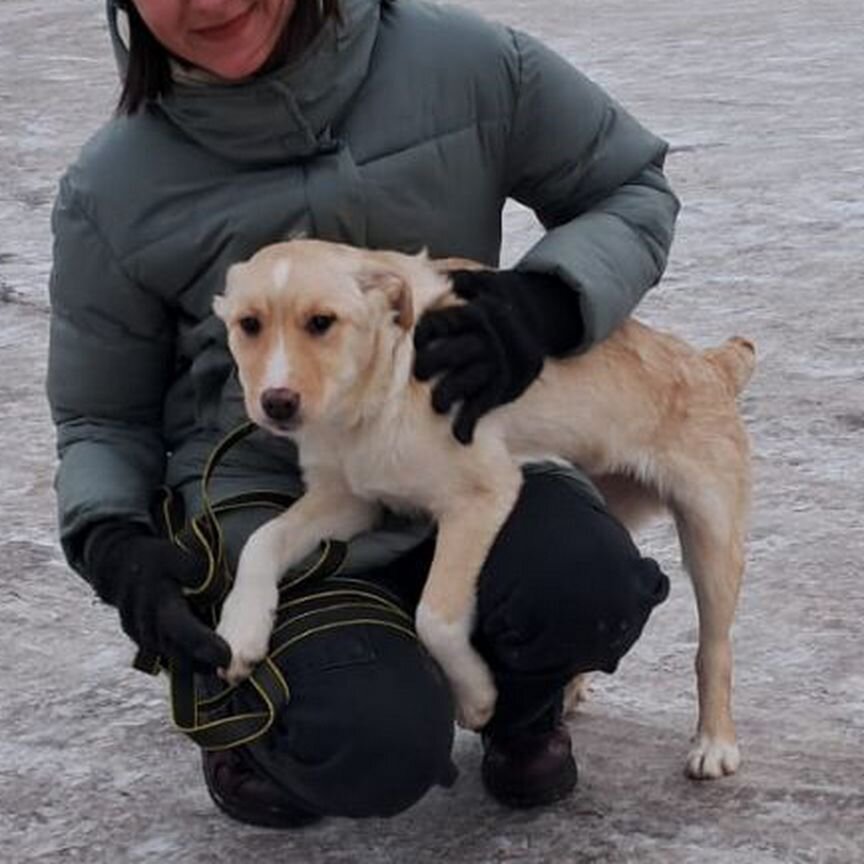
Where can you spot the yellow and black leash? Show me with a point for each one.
(218, 722)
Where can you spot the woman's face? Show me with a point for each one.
(230, 38)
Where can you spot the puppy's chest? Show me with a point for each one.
(379, 467)
(390, 476)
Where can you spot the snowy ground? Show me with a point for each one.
(762, 103)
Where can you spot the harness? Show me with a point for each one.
(311, 602)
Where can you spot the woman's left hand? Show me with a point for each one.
(488, 351)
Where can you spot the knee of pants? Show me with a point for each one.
(367, 739)
(564, 587)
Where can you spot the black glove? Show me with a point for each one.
(487, 351)
(142, 576)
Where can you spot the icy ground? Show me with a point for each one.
(762, 102)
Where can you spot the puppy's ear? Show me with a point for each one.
(233, 276)
(395, 289)
(220, 307)
(221, 302)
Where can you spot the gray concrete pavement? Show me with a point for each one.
(762, 103)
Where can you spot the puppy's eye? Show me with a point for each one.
(250, 325)
(317, 325)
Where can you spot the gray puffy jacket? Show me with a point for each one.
(407, 125)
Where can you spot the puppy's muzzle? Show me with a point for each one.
(281, 405)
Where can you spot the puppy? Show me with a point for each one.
(322, 337)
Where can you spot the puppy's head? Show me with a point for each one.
(309, 323)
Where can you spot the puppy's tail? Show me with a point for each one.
(735, 360)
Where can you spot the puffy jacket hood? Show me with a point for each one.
(287, 111)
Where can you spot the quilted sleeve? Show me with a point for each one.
(110, 356)
(594, 177)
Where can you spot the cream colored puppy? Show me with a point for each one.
(322, 337)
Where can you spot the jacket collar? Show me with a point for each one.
(287, 113)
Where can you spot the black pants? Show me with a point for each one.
(369, 726)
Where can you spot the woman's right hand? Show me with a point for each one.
(143, 577)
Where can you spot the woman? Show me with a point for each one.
(384, 124)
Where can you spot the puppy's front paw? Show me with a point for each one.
(711, 758)
(470, 679)
(245, 625)
(475, 695)
(240, 669)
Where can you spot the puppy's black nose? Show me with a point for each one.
(280, 403)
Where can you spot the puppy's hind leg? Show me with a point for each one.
(710, 520)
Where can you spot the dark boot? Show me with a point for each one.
(245, 795)
(529, 768)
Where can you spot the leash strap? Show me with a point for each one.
(217, 721)
(204, 534)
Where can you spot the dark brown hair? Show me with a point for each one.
(148, 72)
